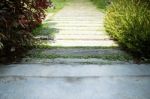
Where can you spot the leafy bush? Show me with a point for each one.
(17, 19)
(128, 21)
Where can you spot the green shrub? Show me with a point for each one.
(128, 21)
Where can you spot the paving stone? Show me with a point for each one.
(74, 88)
(76, 43)
(81, 70)
(83, 37)
(71, 32)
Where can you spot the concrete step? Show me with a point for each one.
(81, 37)
(81, 32)
(18, 87)
(60, 70)
(76, 14)
(75, 24)
(78, 28)
(79, 18)
(72, 22)
(75, 43)
(76, 20)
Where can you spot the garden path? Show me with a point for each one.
(76, 73)
(79, 24)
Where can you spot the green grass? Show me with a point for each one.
(44, 29)
(76, 47)
(38, 53)
(47, 28)
(101, 4)
(58, 4)
(112, 57)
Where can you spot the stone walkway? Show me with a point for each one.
(85, 72)
(79, 24)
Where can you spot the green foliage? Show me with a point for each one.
(101, 4)
(44, 31)
(128, 21)
(17, 19)
(56, 5)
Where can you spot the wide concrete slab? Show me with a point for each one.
(72, 22)
(83, 37)
(60, 70)
(76, 43)
(74, 88)
(71, 32)
(79, 28)
(45, 81)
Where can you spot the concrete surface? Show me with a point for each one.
(37, 81)
(77, 25)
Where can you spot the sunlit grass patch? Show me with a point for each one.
(57, 5)
(101, 4)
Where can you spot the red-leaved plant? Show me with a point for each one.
(17, 19)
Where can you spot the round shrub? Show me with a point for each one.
(128, 21)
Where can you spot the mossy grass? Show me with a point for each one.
(101, 4)
(38, 53)
(57, 5)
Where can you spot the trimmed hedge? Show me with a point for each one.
(128, 21)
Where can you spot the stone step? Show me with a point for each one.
(60, 70)
(72, 22)
(81, 37)
(73, 43)
(78, 28)
(76, 19)
(77, 13)
(81, 32)
(39, 87)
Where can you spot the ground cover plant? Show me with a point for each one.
(101, 4)
(56, 5)
(46, 30)
(18, 18)
(128, 21)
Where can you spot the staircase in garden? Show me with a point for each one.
(82, 62)
(79, 24)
